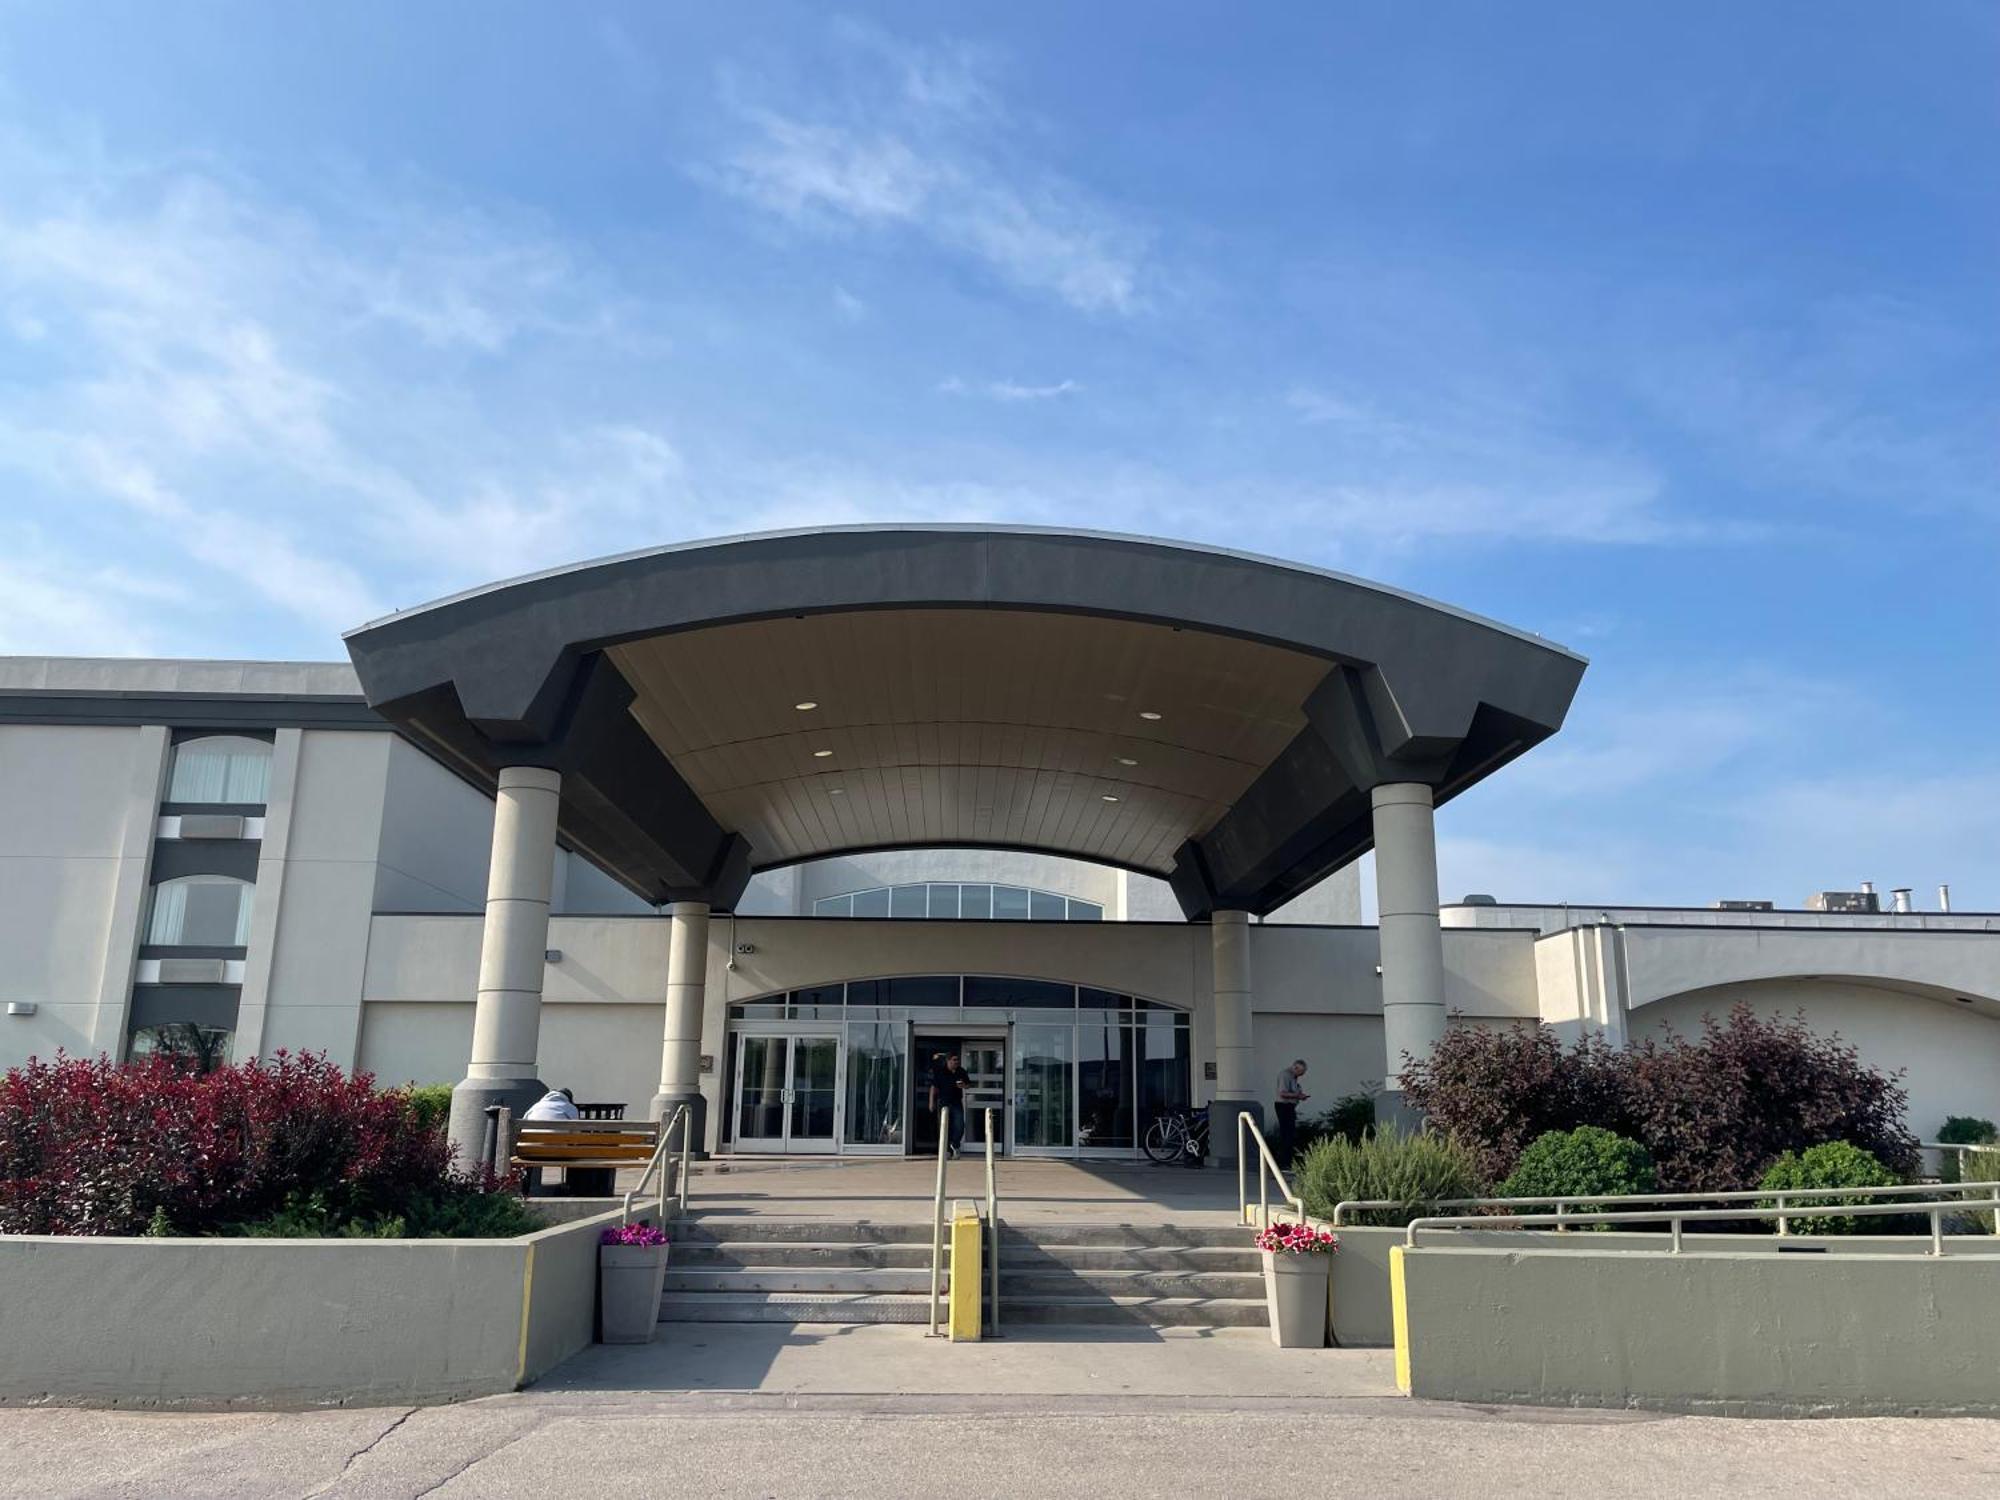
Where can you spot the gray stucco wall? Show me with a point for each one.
(1726, 1334)
(289, 1323)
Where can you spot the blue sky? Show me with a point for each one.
(1669, 332)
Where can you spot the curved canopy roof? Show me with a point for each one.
(732, 705)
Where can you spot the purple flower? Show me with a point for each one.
(633, 1234)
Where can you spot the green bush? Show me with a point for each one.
(1414, 1172)
(452, 1214)
(429, 1104)
(1352, 1116)
(1966, 1130)
(1833, 1164)
(1572, 1163)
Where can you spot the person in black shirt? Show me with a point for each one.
(948, 1092)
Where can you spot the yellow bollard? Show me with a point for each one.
(966, 1279)
(1399, 1311)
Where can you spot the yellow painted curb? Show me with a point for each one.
(1399, 1306)
(527, 1297)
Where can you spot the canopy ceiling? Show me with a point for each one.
(1212, 718)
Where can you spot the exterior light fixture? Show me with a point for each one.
(1126, 760)
(821, 754)
(836, 791)
(806, 707)
(1149, 715)
(1109, 798)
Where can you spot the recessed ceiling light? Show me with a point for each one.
(1147, 713)
(1109, 798)
(821, 754)
(1126, 760)
(806, 707)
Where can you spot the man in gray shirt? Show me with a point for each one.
(1290, 1097)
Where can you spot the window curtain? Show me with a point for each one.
(221, 771)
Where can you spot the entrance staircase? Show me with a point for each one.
(725, 1269)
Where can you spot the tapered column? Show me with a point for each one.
(507, 1024)
(680, 1048)
(1406, 896)
(1235, 1092)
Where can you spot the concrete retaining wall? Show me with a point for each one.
(1361, 1310)
(1734, 1333)
(290, 1323)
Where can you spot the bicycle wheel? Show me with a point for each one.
(1165, 1140)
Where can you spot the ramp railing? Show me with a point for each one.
(1676, 1218)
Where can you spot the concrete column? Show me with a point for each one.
(1406, 897)
(506, 1027)
(1235, 1090)
(152, 750)
(680, 1048)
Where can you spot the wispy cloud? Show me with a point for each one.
(1006, 390)
(926, 148)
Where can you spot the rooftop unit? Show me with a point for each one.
(1746, 906)
(1844, 901)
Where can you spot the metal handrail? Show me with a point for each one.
(1268, 1170)
(1676, 1218)
(937, 1215)
(992, 1231)
(683, 1117)
(1588, 1201)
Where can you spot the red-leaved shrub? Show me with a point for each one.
(1713, 1113)
(92, 1147)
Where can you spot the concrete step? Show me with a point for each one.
(909, 1282)
(725, 1229)
(1153, 1312)
(1016, 1252)
(793, 1307)
(1041, 1286)
(1048, 1234)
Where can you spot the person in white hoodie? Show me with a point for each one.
(556, 1104)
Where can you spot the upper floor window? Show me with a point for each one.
(221, 768)
(980, 902)
(207, 911)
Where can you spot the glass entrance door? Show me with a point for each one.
(787, 1093)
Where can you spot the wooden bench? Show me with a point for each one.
(581, 1145)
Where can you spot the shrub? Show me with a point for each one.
(429, 1104)
(1412, 1171)
(1980, 1166)
(1352, 1116)
(92, 1148)
(1966, 1130)
(1714, 1113)
(1833, 1164)
(1586, 1160)
(1498, 1090)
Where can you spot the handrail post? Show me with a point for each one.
(1561, 1228)
(1242, 1188)
(992, 1229)
(937, 1214)
(1937, 1231)
(1674, 1224)
(1784, 1224)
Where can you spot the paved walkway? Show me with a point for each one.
(901, 1188)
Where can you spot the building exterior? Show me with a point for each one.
(760, 825)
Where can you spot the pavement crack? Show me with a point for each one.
(363, 1451)
(476, 1459)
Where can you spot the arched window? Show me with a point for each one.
(207, 911)
(226, 768)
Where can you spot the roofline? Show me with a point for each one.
(977, 529)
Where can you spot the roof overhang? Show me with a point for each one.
(1207, 716)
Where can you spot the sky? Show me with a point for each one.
(1669, 332)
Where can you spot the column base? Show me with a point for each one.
(469, 1100)
(1222, 1115)
(1393, 1108)
(698, 1117)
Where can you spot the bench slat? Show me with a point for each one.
(634, 1154)
(566, 1138)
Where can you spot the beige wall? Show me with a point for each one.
(77, 809)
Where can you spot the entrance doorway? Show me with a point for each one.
(787, 1093)
(983, 1056)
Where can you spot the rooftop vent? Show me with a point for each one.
(1479, 898)
(1864, 900)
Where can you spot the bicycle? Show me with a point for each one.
(1178, 1136)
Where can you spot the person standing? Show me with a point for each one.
(1290, 1097)
(948, 1093)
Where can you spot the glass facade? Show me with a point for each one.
(974, 902)
(1085, 1070)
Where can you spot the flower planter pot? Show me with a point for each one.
(629, 1278)
(1295, 1292)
